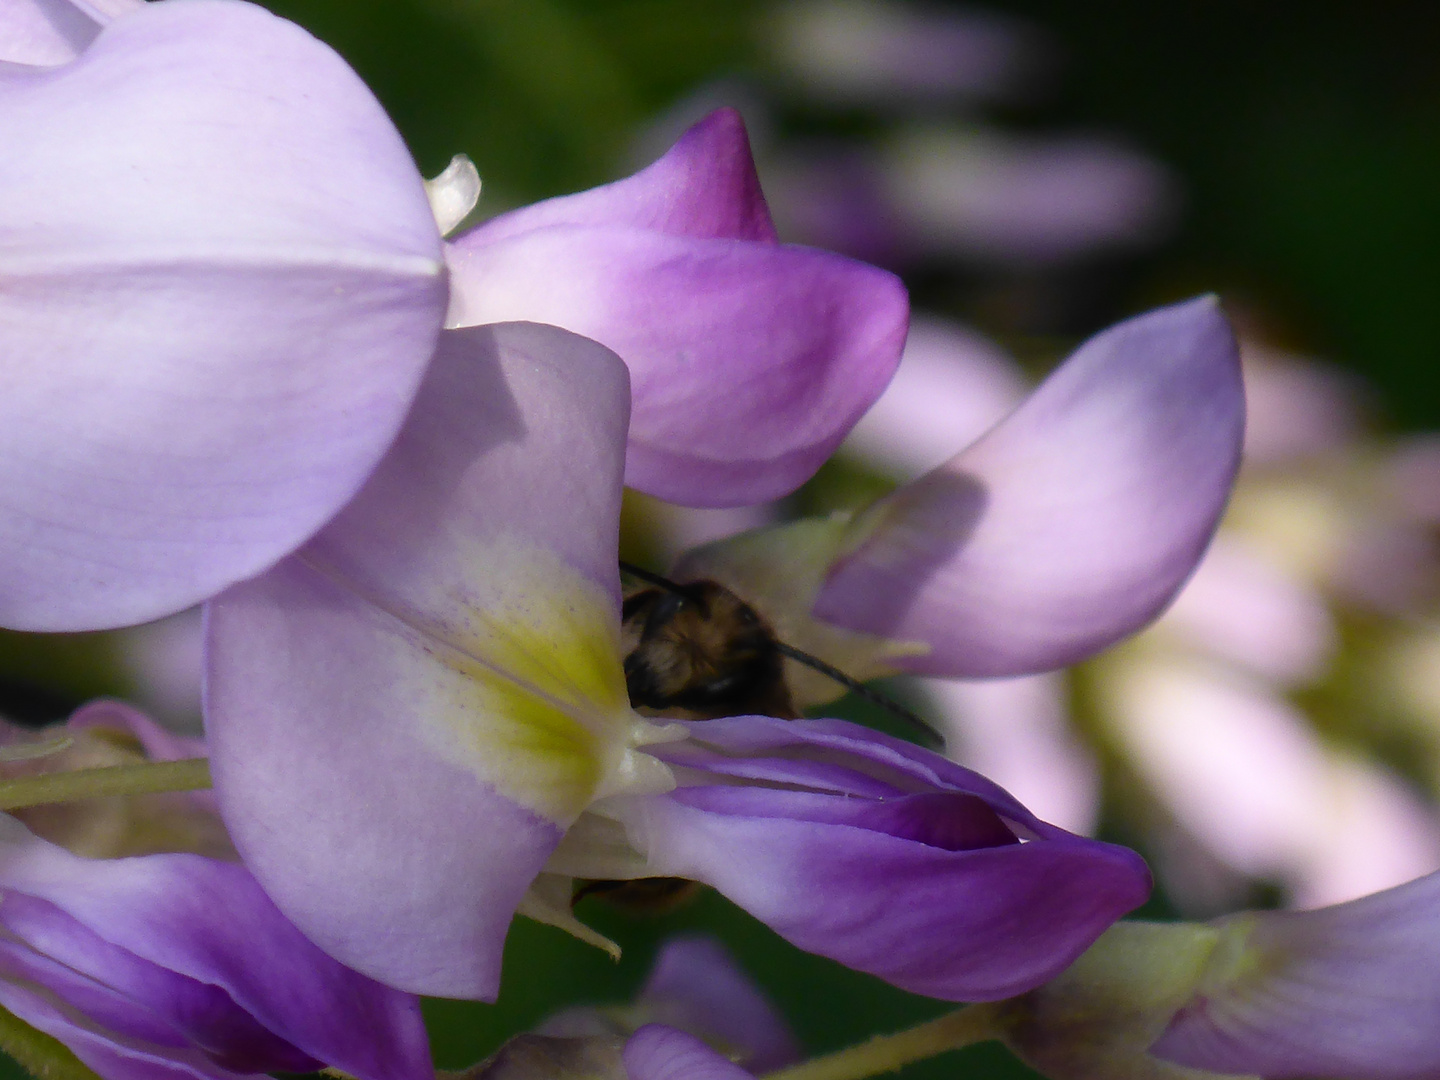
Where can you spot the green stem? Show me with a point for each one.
(147, 778)
(885, 1053)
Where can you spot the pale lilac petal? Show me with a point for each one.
(387, 856)
(44, 32)
(656, 1052)
(352, 669)
(748, 361)
(1348, 991)
(952, 385)
(1235, 763)
(704, 187)
(207, 922)
(1070, 524)
(1242, 607)
(924, 884)
(217, 306)
(696, 986)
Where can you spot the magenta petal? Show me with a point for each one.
(171, 932)
(656, 1052)
(221, 283)
(704, 187)
(1073, 522)
(748, 362)
(1351, 990)
(329, 688)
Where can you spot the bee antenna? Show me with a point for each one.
(855, 686)
(859, 689)
(659, 581)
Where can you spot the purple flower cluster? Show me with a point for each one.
(243, 365)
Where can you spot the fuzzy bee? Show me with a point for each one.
(696, 651)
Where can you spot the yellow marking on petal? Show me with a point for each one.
(541, 713)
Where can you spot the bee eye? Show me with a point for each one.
(664, 610)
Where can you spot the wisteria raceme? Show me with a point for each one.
(225, 309)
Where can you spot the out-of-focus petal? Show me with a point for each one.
(995, 197)
(1295, 407)
(748, 362)
(704, 187)
(406, 715)
(1070, 524)
(696, 986)
(1016, 732)
(1349, 991)
(1241, 606)
(656, 1052)
(925, 886)
(217, 307)
(883, 51)
(952, 385)
(209, 922)
(1241, 769)
(108, 733)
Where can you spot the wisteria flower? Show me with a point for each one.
(423, 714)
(225, 279)
(159, 966)
(104, 734)
(1349, 990)
(1068, 525)
(695, 986)
(654, 1052)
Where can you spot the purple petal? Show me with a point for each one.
(209, 922)
(1073, 522)
(124, 994)
(696, 986)
(111, 1056)
(656, 1052)
(969, 925)
(375, 666)
(705, 187)
(222, 284)
(1351, 990)
(835, 756)
(749, 362)
(910, 872)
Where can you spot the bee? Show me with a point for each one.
(696, 651)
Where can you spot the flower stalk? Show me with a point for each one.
(145, 778)
(886, 1053)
